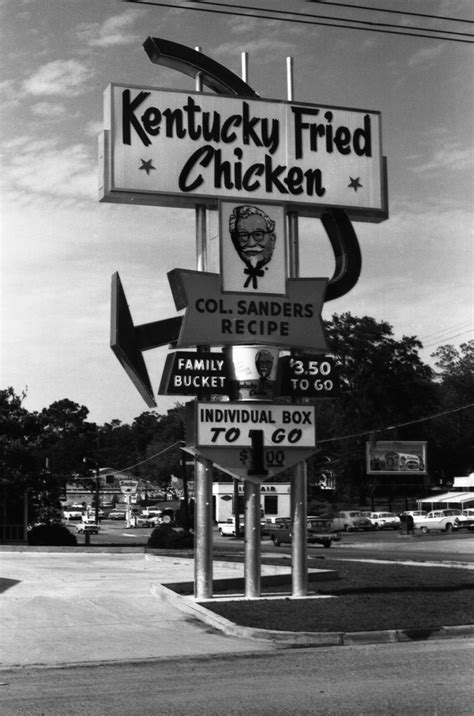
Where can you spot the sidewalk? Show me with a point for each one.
(64, 608)
(70, 608)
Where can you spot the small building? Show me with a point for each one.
(460, 497)
(274, 500)
(109, 490)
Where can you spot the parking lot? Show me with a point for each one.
(381, 544)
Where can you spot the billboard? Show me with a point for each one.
(179, 148)
(388, 457)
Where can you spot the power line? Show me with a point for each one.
(446, 338)
(394, 12)
(368, 26)
(151, 457)
(398, 425)
(372, 431)
(327, 17)
(456, 326)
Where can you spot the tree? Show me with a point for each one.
(384, 383)
(22, 462)
(68, 437)
(453, 433)
(165, 445)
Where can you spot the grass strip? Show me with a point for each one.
(367, 597)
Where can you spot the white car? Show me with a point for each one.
(228, 528)
(444, 520)
(91, 528)
(416, 514)
(72, 513)
(148, 520)
(384, 520)
(466, 519)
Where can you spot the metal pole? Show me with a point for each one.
(203, 530)
(97, 493)
(252, 551)
(299, 546)
(25, 516)
(203, 469)
(252, 539)
(97, 480)
(236, 508)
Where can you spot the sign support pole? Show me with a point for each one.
(252, 552)
(252, 539)
(203, 468)
(299, 547)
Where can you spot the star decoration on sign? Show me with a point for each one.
(147, 166)
(354, 183)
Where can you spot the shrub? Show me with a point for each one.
(53, 534)
(168, 537)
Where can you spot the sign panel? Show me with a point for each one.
(230, 424)
(215, 318)
(178, 148)
(396, 457)
(236, 461)
(128, 487)
(308, 376)
(190, 373)
(252, 248)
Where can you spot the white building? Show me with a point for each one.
(461, 496)
(274, 500)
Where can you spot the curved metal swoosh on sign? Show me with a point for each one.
(346, 249)
(336, 222)
(191, 62)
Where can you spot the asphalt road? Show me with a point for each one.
(415, 678)
(386, 544)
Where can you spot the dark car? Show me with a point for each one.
(319, 531)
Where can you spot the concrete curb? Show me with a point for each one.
(286, 638)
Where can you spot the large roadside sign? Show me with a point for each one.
(179, 148)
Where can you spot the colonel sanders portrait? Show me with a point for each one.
(253, 235)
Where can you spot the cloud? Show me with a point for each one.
(114, 31)
(265, 49)
(42, 167)
(50, 110)
(67, 78)
(449, 157)
(426, 55)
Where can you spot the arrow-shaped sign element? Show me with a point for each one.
(128, 341)
(219, 318)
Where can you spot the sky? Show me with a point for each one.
(60, 246)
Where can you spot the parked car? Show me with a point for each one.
(348, 520)
(117, 515)
(72, 513)
(148, 520)
(89, 528)
(414, 513)
(444, 520)
(319, 531)
(227, 528)
(268, 523)
(466, 519)
(384, 520)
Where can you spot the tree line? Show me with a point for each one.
(387, 393)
